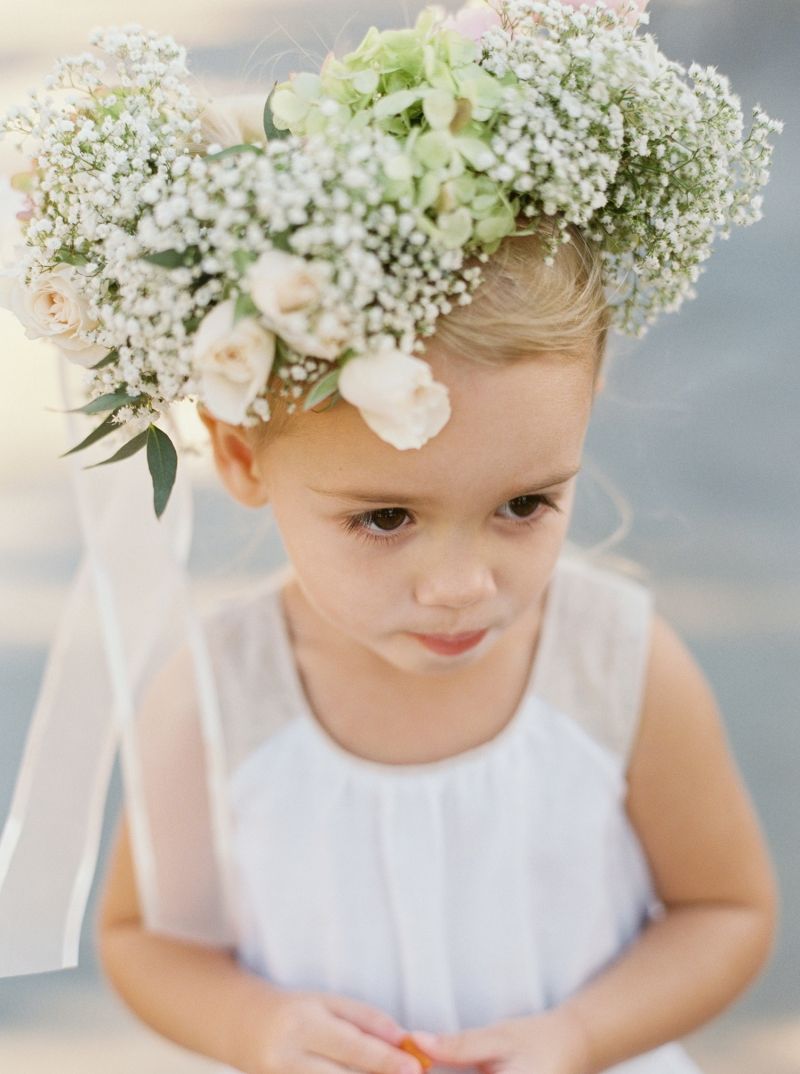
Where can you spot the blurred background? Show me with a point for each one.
(693, 451)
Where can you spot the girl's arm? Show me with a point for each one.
(711, 869)
(196, 996)
(201, 998)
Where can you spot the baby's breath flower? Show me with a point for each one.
(344, 233)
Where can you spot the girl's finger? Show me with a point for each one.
(362, 1051)
(366, 1017)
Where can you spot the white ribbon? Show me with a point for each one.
(131, 582)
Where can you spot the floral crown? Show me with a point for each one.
(177, 247)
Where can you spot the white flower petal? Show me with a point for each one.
(396, 396)
(233, 361)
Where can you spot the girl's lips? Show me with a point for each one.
(450, 643)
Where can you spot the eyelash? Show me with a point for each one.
(356, 524)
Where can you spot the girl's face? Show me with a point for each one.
(461, 535)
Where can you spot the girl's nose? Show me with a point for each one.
(455, 581)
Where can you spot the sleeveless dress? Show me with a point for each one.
(455, 893)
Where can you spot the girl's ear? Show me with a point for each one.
(235, 461)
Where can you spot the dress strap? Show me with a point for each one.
(245, 639)
(594, 665)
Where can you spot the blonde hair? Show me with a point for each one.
(522, 307)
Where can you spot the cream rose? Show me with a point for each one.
(233, 361)
(53, 308)
(234, 119)
(286, 289)
(397, 396)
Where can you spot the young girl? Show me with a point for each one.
(479, 787)
(487, 791)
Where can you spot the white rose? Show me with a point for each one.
(232, 360)
(397, 396)
(53, 308)
(234, 119)
(286, 289)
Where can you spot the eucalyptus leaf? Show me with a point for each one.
(109, 358)
(125, 451)
(332, 400)
(108, 426)
(245, 147)
(173, 258)
(243, 259)
(162, 461)
(111, 401)
(245, 307)
(322, 389)
(270, 129)
(70, 257)
(280, 240)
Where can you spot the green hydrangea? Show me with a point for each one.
(426, 88)
(561, 112)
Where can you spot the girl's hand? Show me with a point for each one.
(324, 1033)
(548, 1043)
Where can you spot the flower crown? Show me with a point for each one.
(177, 247)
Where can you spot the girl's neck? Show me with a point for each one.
(392, 716)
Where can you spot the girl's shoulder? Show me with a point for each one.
(594, 647)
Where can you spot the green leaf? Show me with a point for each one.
(322, 389)
(332, 400)
(245, 147)
(270, 129)
(109, 358)
(280, 240)
(173, 258)
(162, 461)
(111, 401)
(108, 426)
(70, 257)
(243, 259)
(125, 451)
(245, 307)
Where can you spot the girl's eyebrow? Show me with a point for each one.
(368, 496)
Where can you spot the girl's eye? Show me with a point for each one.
(527, 506)
(388, 520)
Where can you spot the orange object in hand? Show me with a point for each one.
(408, 1045)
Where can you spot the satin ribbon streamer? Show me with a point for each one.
(132, 577)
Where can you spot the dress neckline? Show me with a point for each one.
(353, 761)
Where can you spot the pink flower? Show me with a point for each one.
(634, 7)
(473, 21)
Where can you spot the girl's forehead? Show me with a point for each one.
(508, 423)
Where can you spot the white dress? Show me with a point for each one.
(451, 894)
